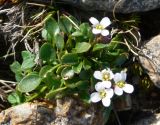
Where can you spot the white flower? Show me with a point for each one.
(121, 85)
(105, 76)
(99, 27)
(102, 94)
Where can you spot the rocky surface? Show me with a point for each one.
(124, 6)
(151, 120)
(151, 59)
(63, 112)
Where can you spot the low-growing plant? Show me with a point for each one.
(75, 59)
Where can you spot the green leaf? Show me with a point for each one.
(52, 81)
(18, 77)
(67, 73)
(70, 58)
(77, 33)
(29, 83)
(14, 98)
(15, 67)
(99, 46)
(46, 36)
(84, 27)
(120, 60)
(27, 54)
(65, 25)
(60, 68)
(77, 68)
(82, 47)
(44, 70)
(59, 39)
(106, 113)
(28, 60)
(82, 85)
(75, 83)
(86, 64)
(85, 75)
(85, 96)
(116, 53)
(47, 52)
(74, 20)
(52, 27)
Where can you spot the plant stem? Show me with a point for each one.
(54, 92)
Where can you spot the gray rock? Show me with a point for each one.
(154, 119)
(66, 111)
(124, 6)
(151, 59)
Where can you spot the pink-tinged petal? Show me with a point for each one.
(107, 84)
(123, 75)
(105, 22)
(95, 97)
(96, 31)
(94, 21)
(106, 101)
(97, 75)
(104, 32)
(128, 88)
(118, 91)
(110, 93)
(117, 77)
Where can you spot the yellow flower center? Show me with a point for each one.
(106, 76)
(121, 84)
(99, 27)
(102, 94)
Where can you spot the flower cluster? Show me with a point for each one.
(108, 85)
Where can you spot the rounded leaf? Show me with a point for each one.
(67, 73)
(44, 70)
(59, 40)
(99, 46)
(52, 27)
(65, 25)
(14, 98)
(29, 83)
(82, 47)
(70, 58)
(47, 52)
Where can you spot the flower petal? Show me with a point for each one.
(111, 73)
(104, 71)
(104, 32)
(99, 86)
(106, 101)
(117, 77)
(107, 84)
(94, 21)
(105, 22)
(123, 75)
(118, 91)
(96, 31)
(102, 85)
(95, 97)
(128, 88)
(97, 75)
(109, 93)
